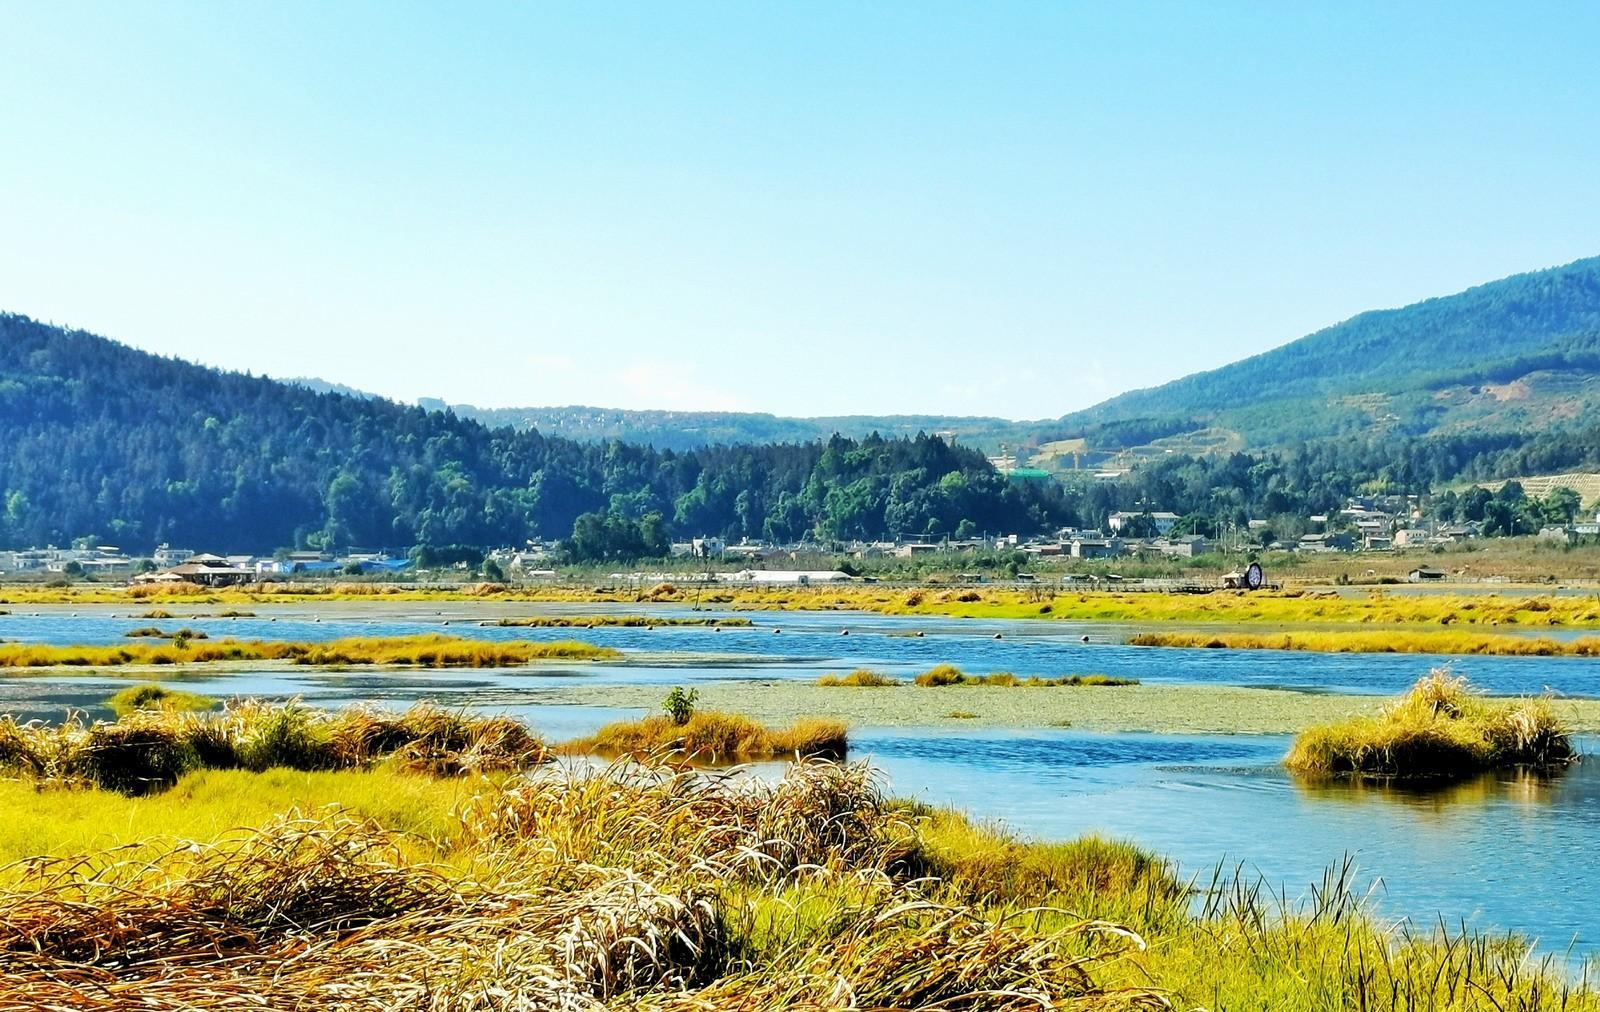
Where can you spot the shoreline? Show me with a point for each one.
(1515, 607)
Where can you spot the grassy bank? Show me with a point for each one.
(420, 651)
(1440, 729)
(1348, 641)
(646, 888)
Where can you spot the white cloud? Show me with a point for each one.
(675, 385)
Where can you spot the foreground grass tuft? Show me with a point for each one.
(657, 888)
(1439, 729)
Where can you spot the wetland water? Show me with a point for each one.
(1505, 851)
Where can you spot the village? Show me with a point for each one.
(1391, 524)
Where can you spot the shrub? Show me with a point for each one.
(679, 704)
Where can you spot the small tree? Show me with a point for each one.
(492, 571)
(680, 704)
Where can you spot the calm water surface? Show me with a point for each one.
(805, 644)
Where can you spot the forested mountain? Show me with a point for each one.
(688, 430)
(102, 439)
(1519, 353)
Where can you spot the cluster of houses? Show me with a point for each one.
(183, 565)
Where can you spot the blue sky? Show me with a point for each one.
(1010, 209)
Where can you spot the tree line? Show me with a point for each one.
(136, 449)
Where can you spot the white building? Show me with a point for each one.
(1163, 521)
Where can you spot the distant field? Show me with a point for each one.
(1587, 485)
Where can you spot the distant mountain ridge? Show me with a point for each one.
(1518, 354)
(1521, 352)
(686, 430)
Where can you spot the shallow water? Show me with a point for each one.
(1512, 851)
(806, 644)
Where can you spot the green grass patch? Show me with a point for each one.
(153, 696)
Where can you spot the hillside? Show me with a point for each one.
(688, 430)
(108, 441)
(1521, 353)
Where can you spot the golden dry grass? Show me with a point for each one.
(709, 736)
(420, 651)
(150, 747)
(1347, 641)
(864, 678)
(1439, 729)
(659, 888)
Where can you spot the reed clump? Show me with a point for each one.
(149, 748)
(157, 633)
(859, 678)
(940, 674)
(1440, 729)
(419, 651)
(709, 736)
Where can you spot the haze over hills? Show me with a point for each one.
(1521, 353)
